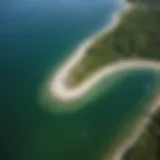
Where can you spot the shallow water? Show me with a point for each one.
(34, 37)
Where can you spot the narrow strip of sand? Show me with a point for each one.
(138, 129)
(62, 92)
(58, 87)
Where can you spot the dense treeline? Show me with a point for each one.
(136, 36)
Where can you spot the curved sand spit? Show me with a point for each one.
(58, 87)
(62, 92)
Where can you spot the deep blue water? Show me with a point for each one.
(34, 37)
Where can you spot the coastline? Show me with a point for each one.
(64, 93)
(138, 127)
(57, 83)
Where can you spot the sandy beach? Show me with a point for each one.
(58, 87)
(62, 92)
(138, 128)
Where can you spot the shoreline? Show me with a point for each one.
(139, 128)
(57, 84)
(61, 92)
(80, 51)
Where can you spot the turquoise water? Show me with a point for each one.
(34, 37)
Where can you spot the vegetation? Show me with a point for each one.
(147, 147)
(136, 36)
(150, 2)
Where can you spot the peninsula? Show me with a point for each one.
(132, 41)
